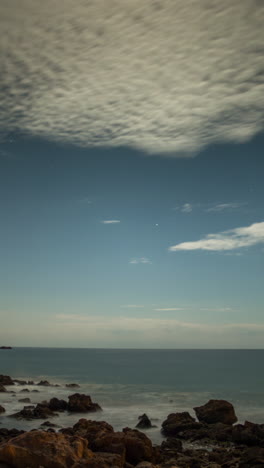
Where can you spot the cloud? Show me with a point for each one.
(224, 207)
(132, 306)
(226, 240)
(164, 76)
(169, 309)
(220, 309)
(111, 221)
(140, 260)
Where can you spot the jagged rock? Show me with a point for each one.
(46, 449)
(92, 430)
(44, 383)
(216, 411)
(2, 409)
(30, 412)
(248, 434)
(57, 405)
(144, 422)
(177, 422)
(6, 380)
(81, 403)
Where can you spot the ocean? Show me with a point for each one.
(130, 382)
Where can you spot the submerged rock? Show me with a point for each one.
(24, 400)
(72, 385)
(2, 409)
(216, 411)
(2, 389)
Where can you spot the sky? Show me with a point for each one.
(131, 174)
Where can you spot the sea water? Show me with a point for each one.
(128, 382)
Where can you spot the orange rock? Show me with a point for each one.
(38, 448)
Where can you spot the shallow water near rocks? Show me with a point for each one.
(128, 383)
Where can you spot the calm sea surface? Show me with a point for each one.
(127, 383)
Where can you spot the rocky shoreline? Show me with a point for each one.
(212, 440)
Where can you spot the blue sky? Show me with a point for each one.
(131, 173)
(70, 279)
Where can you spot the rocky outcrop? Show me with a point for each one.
(144, 422)
(41, 411)
(81, 403)
(249, 434)
(24, 400)
(6, 434)
(6, 380)
(216, 411)
(2, 409)
(72, 385)
(178, 422)
(2, 389)
(57, 405)
(92, 430)
(38, 448)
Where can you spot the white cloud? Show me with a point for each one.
(187, 208)
(140, 260)
(224, 207)
(111, 221)
(169, 309)
(226, 240)
(163, 76)
(132, 306)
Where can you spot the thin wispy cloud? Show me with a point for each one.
(218, 208)
(132, 306)
(140, 260)
(169, 309)
(227, 240)
(219, 309)
(187, 208)
(69, 76)
(111, 221)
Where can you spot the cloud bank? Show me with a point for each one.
(163, 76)
(226, 240)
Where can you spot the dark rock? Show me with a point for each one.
(72, 385)
(48, 424)
(44, 383)
(6, 380)
(144, 422)
(172, 444)
(253, 458)
(2, 409)
(58, 405)
(30, 412)
(177, 422)
(81, 403)
(249, 434)
(24, 390)
(2, 389)
(216, 411)
(20, 382)
(24, 400)
(35, 391)
(30, 382)
(6, 434)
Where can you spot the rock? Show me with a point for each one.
(144, 422)
(20, 382)
(30, 412)
(6, 380)
(92, 430)
(44, 383)
(2, 409)
(2, 389)
(249, 434)
(215, 411)
(57, 405)
(253, 458)
(24, 400)
(81, 403)
(30, 382)
(24, 390)
(132, 445)
(35, 391)
(6, 434)
(72, 385)
(177, 422)
(172, 444)
(48, 424)
(46, 449)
